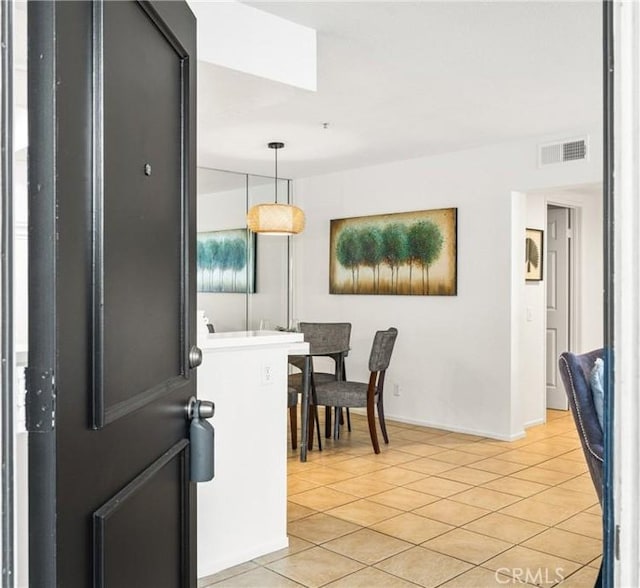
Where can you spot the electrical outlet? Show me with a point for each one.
(266, 375)
(396, 389)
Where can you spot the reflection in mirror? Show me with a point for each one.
(237, 291)
(271, 298)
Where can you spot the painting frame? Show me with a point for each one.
(226, 262)
(534, 255)
(412, 253)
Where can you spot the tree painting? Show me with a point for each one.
(226, 261)
(410, 253)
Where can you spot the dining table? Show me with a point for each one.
(316, 349)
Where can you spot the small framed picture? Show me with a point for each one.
(533, 255)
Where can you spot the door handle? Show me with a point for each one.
(195, 357)
(201, 439)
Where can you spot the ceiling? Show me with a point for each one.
(398, 80)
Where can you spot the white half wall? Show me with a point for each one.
(457, 360)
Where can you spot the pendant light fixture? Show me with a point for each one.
(274, 218)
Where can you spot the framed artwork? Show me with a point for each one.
(406, 253)
(226, 261)
(533, 255)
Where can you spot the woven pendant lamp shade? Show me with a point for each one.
(275, 219)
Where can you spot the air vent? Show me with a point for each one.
(561, 152)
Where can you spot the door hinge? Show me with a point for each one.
(616, 547)
(40, 400)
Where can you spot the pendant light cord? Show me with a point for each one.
(276, 178)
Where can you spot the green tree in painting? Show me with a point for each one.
(395, 249)
(211, 253)
(224, 261)
(237, 258)
(424, 240)
(202, 262)
(349, 252)
(372, 251)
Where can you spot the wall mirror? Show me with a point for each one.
(243, 279)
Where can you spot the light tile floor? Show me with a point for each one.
(436, 509)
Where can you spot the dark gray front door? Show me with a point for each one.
(112, 293)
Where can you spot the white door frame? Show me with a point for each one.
(626, 292)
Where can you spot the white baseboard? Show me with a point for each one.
(451, 428)
(207, 566)
(535, 423)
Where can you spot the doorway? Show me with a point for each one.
(573, 281)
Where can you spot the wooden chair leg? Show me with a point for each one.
(383, 425)
(371, 417)
(293, 421)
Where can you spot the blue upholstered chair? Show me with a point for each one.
(345, 394)
(575, 371)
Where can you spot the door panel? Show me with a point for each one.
(558, 251)
(136, 515)
(140, 241)
(112, 293)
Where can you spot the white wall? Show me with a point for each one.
(457, 359)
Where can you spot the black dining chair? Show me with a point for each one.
(347, 394)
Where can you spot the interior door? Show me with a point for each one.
(558, 284)
(112, 293)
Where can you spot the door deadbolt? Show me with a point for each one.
(199, 409)
(195, 357)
